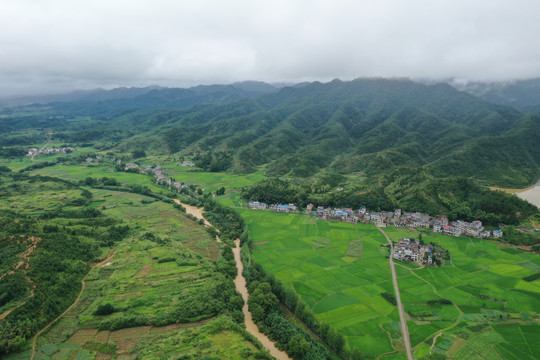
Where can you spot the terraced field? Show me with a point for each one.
(150, 280)
(338, 269)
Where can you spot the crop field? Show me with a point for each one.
(210, 180)
(43, 197)
(146, 277)
(493, 310)
(338, 269)
(483, 282)
(80, 172)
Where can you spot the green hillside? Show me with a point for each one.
(370, 126)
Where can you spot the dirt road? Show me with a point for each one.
(34, 341)
(404, 328)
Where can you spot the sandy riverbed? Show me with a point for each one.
(193, 210)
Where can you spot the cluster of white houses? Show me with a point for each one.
(157, 171)
(383, 218)
(412, 250)
(49, 151)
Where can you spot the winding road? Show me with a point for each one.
(404, 328)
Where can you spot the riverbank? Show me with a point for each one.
(241, 287)
(251, 327)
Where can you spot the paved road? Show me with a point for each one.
(404, 328)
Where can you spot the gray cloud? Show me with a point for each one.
(55, 45)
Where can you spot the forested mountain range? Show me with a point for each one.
(365, 126)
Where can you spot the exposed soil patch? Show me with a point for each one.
(146, 269)
(82, 336)
(24, 264)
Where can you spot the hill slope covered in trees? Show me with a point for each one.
(367, 126)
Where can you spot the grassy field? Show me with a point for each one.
(210, 180)
(314, 258)
(491, 302)
(147, 278)
(80, 172)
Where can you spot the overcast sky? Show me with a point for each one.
(57, 45)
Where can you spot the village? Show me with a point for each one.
(439, 224)
(49, 151)
(415, 251)
(161, 179)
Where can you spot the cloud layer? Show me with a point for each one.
(55, 45)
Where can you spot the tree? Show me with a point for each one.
(298, 346)
(136, 154)
(90, 181)
(104, 309)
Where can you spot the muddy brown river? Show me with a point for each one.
(532, 195)
(240, 283)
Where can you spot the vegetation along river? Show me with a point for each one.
(240, 283)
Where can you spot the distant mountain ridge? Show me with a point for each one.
(366, 126)
(240, 89)
(79, 95)
(524, 95)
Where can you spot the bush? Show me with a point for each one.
(390, 298)
(106, 309)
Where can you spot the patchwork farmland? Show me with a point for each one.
(476, 306)
(159, 286)
(314, 258)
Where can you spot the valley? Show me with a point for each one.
(157, 259)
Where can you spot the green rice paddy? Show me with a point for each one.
(338, 269)
(483, 281)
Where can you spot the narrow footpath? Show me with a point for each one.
(83, 287)
(44, 146)
(404, 328)
(240, 283)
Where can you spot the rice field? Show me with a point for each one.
(338, 269)
(210, 180)
(483, 282)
